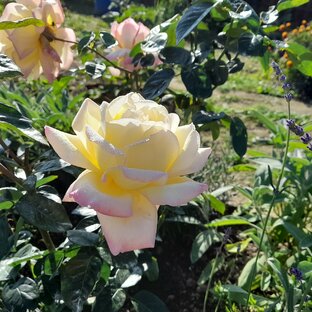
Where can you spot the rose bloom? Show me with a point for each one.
(32, 48)
(136, 156)
(127, 34)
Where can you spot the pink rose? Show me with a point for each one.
(128, 34)
(34, 49)
(136, 157)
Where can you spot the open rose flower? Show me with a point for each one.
(128, 33)
(34, 49)
(136, 157)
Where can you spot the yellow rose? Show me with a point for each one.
(34, 49)
(135, 155)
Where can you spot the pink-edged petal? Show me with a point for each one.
(62, 48)
(88, 114)
(68, 147)
(142, 33)
(177, 191)
(52, 13)
(135, 232)
(25, 40)
(30, 4)
(149, 155)
(130, 178)
(126, 33)
(49, 66)
(103, 196)
(15, 11)
(105, 153)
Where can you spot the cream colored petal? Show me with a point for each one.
(52, 12)
(15, 11)
(174, 121)
(88, 114)
(62, 48)
(68, 147)
(149, 154)
(25, 40)
(50, 67)
(135, 232)
(105, 154)
(30, 4)
(130, 178)
(178, 191)
(103, 196)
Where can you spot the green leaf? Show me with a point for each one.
(51, 165)
(202, 242)
(5, 233)
(52, 262)
(281, 273)
(78, 277)
(251, 44)
(203, 117)
(95, 70)
(238, 132)
(11, 119)
(191, 18)
(22, 23)
(265, 280)
(306, 268)
(145, 301)
(154, 42)
(157, 83)
(21, 295)
(305, 240)
(206, 272)
(84, 43)
(7, 68)
(269, 16)
(83, 238)
(228, 221)
(43, 212)
(216, 204)
(108, 39)
(184, 219)
(245, 277)
(289, 4)
(218, 72)
(238, 246)
(196, 81)
(175, 55)
(110, 300)
(46, 180)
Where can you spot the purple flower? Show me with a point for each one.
(288, 96)
(309, 146)
(293, 127)
(297, 273)
(306, 138)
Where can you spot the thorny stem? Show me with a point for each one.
(47, 240)
(6, 172)
(97, 53)
(276, 192)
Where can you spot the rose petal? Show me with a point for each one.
(126, 33)
(142, 33)
(68, 147)
(64, 49)
(189, 158)
(88, 114)
(104, 197)
(106, 155)
(25, 40)
(129, 178)
(15, 11)
(149, 155)
(135, 232)
(178, 191)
